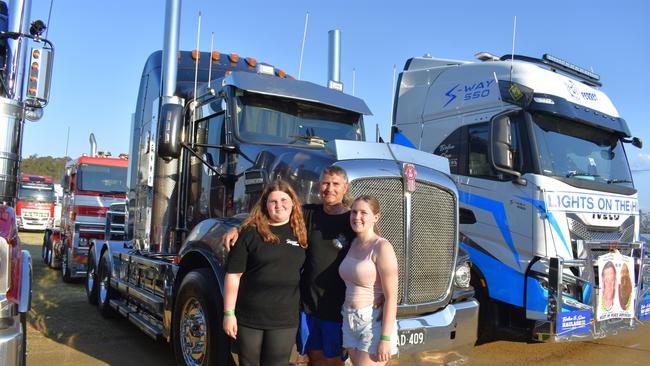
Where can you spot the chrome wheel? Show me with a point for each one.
(90, 278)
(64, 265)
(193, 332)
(103, 287)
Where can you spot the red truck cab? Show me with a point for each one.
(35, 202)
(90, 186)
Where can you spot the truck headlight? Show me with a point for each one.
(462, 275)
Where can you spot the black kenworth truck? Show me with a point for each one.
(202, 152)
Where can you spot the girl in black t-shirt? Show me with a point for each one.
(263, 277)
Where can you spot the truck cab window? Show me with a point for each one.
(293, 122)
(205, 191)
(478, 163)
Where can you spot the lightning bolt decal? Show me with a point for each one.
(450, 95)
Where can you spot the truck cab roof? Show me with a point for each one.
(432, 88)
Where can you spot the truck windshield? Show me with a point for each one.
(572, 150)
(274, 120)
(35, 193)
(102, 178)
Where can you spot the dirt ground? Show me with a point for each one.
(64, 329)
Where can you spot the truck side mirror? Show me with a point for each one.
(501, 156)
(169, 130)
(40, 79)
(502, 142)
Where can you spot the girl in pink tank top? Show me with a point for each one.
(369, 271)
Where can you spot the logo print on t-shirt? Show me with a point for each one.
(340, 242)
(293, 242)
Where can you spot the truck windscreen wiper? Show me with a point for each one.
(615, 180)
(580, 174)
(310, 139)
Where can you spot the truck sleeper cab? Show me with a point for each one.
(253, 125)
(539, 161)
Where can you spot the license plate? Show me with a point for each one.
(410, 337)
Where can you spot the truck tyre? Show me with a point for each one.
(198, 337)
(47, 238)
(91, 279)
(487, 314)
(65, 269)
(104, 290)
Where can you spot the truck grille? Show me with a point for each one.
(623, 233)
(427, 263)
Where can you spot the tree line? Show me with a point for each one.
(44, 165)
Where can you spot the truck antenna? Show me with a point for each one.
(302, 46)
(514, 32)
(210, 60)
(49, 16)
(196, 73)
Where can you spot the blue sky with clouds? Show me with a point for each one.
(101, 47)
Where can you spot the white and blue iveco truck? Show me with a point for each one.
(538, 153)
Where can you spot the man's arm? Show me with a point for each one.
(229, 238)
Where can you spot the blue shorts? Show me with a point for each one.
(315, 334)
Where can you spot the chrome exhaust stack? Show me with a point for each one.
(334, 61)
(170, 115)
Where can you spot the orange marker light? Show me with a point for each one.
(36, 54)
(216, 56)
(281, 73)
(233, 57)
(196, 55)
(251, 61)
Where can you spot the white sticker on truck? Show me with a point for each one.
(593, 203)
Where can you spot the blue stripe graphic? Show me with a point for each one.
(498, 212)
(541, 207)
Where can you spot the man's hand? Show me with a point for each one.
(229, 238)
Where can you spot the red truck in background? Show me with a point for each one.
(90, 185)
(35, 202)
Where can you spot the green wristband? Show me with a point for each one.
(229, 313)
(385, 338)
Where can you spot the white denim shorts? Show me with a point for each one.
(362, 329)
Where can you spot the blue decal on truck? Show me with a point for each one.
(572, 322)
(498, 212)
(541, 207)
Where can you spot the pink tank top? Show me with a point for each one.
(362, 281)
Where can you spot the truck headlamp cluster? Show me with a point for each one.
(462, 275)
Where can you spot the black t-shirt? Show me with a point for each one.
(269, 290)
(322, 289)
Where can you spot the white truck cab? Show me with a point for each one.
(538, 154)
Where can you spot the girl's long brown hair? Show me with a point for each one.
(259, 216)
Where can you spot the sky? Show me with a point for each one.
(101, 47)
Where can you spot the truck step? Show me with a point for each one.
(155, 303)
(149, 326)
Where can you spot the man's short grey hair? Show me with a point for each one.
(335, 170)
